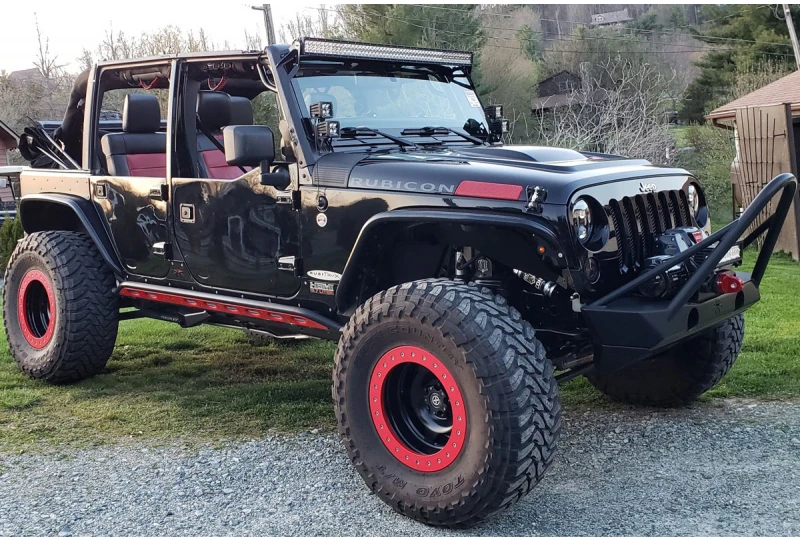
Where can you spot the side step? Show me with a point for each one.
(252, 309)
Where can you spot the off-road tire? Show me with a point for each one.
(80, 287)
(513, 411)
(678, 375)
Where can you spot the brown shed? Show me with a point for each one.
(784, 90)
(766, 124)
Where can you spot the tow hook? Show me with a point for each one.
(728, 283)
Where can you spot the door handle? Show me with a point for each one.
(285, 197)
(158, 193)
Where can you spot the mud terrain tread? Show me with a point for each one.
(87, 306)
(524, 410)
(679, 375)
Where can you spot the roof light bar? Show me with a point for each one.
(349, 49)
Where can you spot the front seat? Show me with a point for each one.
(241, 111)
(215, 110)
(139, 150)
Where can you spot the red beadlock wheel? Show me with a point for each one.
(60, 309)
(36, 309)
(445, 400)
(417, 409)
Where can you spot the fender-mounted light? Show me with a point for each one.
(728, 283)
(489, 190)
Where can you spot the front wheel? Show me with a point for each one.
(680, 374)
(445, 400)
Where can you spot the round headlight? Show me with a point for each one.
(694, 199)
(698, 206)
(582, 219)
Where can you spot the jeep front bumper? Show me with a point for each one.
(625, 328)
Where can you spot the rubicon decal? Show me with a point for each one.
(402, 185)
(324, 275)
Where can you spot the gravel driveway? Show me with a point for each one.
(725, 467)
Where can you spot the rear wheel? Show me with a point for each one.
(445, 401)
(59, 308)
(680, 374)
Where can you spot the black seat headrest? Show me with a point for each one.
(214, 109)
(141, 113)
(241, 111)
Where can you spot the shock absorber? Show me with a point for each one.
(460, 269)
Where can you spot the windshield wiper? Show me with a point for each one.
(430, 131)
(354, 132)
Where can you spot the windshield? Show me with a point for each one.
(392, 101)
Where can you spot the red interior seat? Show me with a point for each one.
(139, 150)
(217, 110)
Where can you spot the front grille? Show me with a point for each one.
(638, 219)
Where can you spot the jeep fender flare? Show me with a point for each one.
(60, 212)
(348, 290)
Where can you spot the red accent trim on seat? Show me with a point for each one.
(489, 190)
(217, 167)
(270, 315)
(149, 165)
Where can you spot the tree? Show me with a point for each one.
(625, 117)
(41, 95)
(750, 35)
(325, 23)
(530, 45)
(511, 61)
(450, 26)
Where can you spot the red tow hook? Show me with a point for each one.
(728, 283)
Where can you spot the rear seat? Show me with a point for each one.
(217, 110)
(139, 150)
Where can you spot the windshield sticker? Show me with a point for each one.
(472, 98)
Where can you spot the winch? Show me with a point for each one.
(670, 243)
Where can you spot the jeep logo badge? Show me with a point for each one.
(647, 188)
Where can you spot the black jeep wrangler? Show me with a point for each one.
(463, 279)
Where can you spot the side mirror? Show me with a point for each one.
(248, 146)
(254, 146)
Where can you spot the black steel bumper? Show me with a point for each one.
(627, 328)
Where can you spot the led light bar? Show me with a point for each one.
(350, 49)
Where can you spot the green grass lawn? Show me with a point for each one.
(210, 383)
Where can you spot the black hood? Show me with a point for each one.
(559, 171)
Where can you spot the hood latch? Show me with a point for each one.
(536, 196)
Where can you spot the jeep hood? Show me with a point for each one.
(560, 171)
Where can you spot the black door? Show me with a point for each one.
(232, 233)
(136, 219)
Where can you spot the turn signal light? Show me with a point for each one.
(489, 190)
(728, 283)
